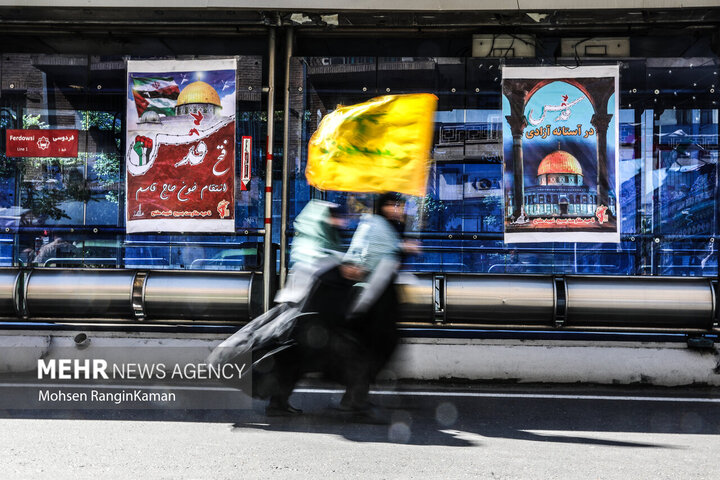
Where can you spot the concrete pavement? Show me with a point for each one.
(486, 431)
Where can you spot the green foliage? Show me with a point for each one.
(76, 186)
(7, 117)
(44, 201)
(10, 167)
(428, 208)
(33, 121)
(431, 206)
(105, 165)
(493, 223)
(100, 120)
(107, 169)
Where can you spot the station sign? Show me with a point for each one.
(42, 143)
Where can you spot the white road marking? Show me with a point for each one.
(523, 395)
(409, 393)
(119, 387)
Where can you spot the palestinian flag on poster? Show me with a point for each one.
(155, 93)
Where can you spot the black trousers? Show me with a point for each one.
(349, 351)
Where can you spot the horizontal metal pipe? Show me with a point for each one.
(83, 294)
(214, 296)
(499, 299)
(416, 300)
(451, 300)
(9, 280)
(639, 302)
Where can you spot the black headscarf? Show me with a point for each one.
(391, 198)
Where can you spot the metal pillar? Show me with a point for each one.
(268, 273)
(286, 160)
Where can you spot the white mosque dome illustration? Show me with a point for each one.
(150, 116)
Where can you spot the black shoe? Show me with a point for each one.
(347, 406)
(282, 411)
(363, 413)
(370, 415)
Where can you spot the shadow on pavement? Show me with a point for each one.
(440, 420)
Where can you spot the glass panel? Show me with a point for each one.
(317, 86)
(69, 212)
(668, 155)
(197, 253)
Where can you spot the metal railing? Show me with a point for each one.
(429, 299)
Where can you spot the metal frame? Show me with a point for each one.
(561, 295)
(417, 5)
(289, 37)
(268, 247)
(267, 241)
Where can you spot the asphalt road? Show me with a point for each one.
(489, 431)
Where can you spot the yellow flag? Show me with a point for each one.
(382, 145)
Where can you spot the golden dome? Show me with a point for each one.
(559, 162)
(198, 92)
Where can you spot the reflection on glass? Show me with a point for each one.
(667, 167)
(68, 212)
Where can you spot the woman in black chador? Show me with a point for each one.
(270, 341)
(345, 326)
(351, 333)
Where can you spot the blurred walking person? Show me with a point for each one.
(315, 251)
(316, 247)
(269, 342)
(374, 258)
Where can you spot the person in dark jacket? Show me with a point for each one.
(316, 249)
(350, 332)
(273, 342)
(374, 257)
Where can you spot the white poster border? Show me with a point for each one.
(191, 225)
(554, 72)
(181, 225)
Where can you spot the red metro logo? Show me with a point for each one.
(43, 143)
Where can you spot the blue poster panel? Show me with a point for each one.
(560, 147)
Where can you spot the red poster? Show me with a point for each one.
(180, 157)
(189, 179)
(42, 143)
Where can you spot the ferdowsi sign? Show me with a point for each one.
(41, 143)
(560, 150)
(180, 155)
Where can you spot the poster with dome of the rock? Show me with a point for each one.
(180, 148)
(560, 148)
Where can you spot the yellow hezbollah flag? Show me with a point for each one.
(382, 145)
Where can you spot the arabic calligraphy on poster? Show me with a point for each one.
(180, 155)
(560, 154)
